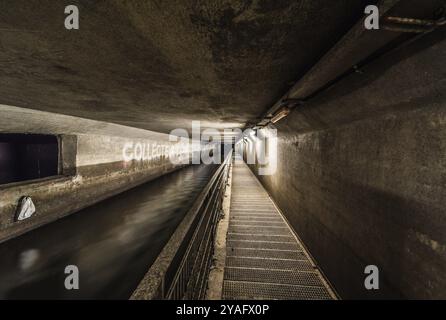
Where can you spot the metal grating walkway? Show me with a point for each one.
(264, 259)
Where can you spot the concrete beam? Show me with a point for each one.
(353, 50)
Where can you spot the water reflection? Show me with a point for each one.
(113, 243)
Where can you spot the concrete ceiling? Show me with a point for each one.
(158, 65)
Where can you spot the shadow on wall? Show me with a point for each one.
(348, 225)
(366, 184)
(379, 228)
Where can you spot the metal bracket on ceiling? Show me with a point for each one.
(401, 24)
(291, 103)
(285, 107)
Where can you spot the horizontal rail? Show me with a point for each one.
(181, 269)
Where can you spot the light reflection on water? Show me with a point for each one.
(113, 243)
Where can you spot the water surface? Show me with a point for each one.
(113, 243)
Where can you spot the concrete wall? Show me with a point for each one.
(362, 174)
(94, 163)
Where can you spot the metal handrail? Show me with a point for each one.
(182, 267)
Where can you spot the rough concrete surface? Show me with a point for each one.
(215, 281)
(361, 166)
(158, 65)
(362, 176)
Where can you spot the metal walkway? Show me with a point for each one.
(264, 259)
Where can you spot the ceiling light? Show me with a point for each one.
(280, 114)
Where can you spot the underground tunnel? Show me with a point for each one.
(222, 150)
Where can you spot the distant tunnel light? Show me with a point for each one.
(280, 114)
(26, 157)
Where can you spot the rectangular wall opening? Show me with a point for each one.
(25, 157)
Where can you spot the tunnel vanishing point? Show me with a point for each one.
(261, 149)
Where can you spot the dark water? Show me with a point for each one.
(112, 243)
